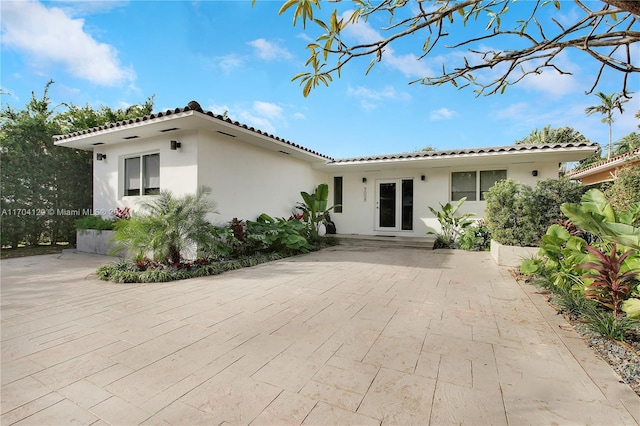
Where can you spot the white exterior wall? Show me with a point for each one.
(178, 170)
(247, 181)
(359, 210)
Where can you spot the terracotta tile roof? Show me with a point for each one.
(613, 161)
(195, 106)
(469, 152)
(192, 106)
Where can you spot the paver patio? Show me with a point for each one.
(342, 336)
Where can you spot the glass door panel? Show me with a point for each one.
(387, 205)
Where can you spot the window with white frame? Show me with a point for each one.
(474, 184)
(142, 175)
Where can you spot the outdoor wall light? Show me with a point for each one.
(423, 177)
(364, 180)
(175, 145)
(534, 173)
(100, 156)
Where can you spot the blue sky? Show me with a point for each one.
(231, 57)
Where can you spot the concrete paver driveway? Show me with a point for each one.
(342, 336)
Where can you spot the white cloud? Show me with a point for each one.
(265, 116)
(551, 81)
(261, 123)
(268, 50)
(80, 8)
(304, 37)
(365, 93)
(229, 62)
(218, 109)
(371, 98)
(261, 115)
(407, 64)
(50, 35)
(513, 111)
(442, 114)
(268, 110)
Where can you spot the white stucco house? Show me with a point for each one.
(251, 172)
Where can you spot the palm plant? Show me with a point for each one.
(314, 209)
(452, 226)
(549, 135)
(608, 105)
(167, 226)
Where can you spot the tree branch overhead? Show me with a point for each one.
(606, 31)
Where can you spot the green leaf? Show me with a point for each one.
(559, 232)
(632, 308)
(530, 266)
(286, 6)
(595, 201)
(335, 27)
(426, 44)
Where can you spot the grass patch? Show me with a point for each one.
(24, 251)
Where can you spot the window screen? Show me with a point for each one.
(463, 184)
(337, 194)
(407, 204)
(132, 176)
(151, 174)
(488, 178)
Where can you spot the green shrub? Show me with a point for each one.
(510, 214)
(625, 190)
(518, 215)
(547, 197)
(476, 237)
(269, 234)
(167, 226)
(94, 222)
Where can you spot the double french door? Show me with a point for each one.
(394, 205)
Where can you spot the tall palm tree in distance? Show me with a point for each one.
(608, 105)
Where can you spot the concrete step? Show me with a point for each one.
(384, 241)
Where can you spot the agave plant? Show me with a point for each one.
(167, 226)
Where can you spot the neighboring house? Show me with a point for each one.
(251, 172)
(605, 171)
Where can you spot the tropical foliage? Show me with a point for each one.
(452, 225)
(169, 230)
(314, 209)
(166, 226)
(550, 135)
(597, 257)
(607, 107)
(476, 237)
(625, 190)
(627, 143)
(267, 234)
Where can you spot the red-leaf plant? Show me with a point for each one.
(610, 286)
